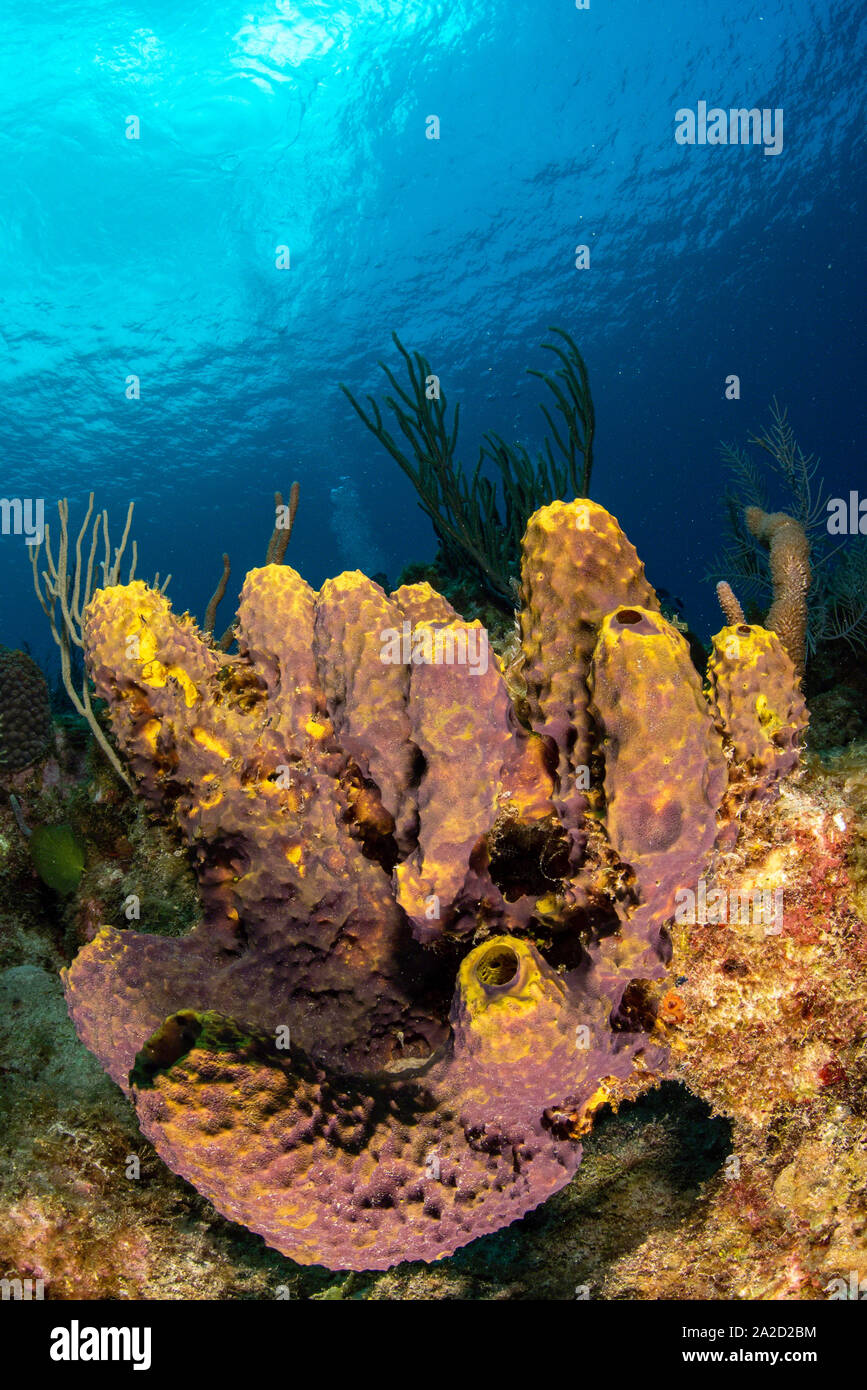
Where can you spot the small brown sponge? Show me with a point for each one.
(729, 603)
(337, 804)
(756, 699)
(790, 575)
(25, 711)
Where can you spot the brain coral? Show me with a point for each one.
(25, 711)
(426, 906)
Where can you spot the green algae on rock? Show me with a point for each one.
(58, 857)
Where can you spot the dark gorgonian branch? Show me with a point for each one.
(479, 520)
(64, 589)
(274, 555)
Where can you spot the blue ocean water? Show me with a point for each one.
(304, 125)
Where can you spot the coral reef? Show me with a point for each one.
(25, 711)
(121, 861)
(670, 1201)
(366, 828)
(58, 857)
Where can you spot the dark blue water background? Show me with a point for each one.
(304, 124)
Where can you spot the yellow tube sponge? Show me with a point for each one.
(577, 566)
(756, 699)
(665, 770)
